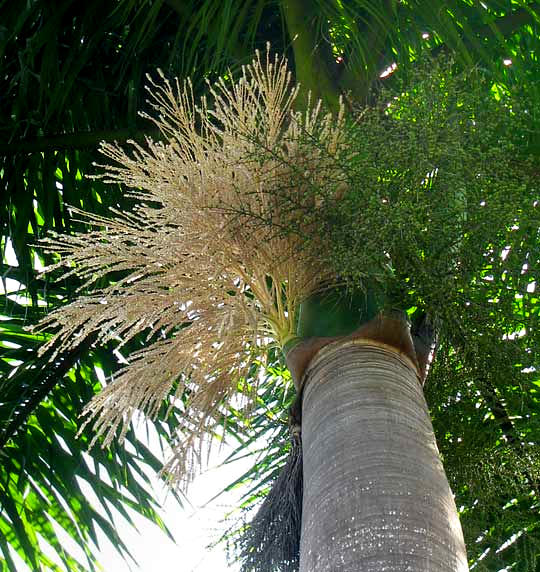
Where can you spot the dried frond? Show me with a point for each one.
(205, 277)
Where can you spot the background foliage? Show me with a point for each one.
(73, 74)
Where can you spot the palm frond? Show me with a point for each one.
(44, 469)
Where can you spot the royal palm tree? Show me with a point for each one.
(245, 222)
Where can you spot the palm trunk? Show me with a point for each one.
(376, 497)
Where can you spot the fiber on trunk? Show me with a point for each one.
(272, 539)
(376, 497)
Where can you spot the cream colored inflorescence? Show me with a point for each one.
(209, 273)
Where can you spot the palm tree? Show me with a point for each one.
(337, 48)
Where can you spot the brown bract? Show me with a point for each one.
(384, 331)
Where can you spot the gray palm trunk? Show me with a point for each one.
(376, 497)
